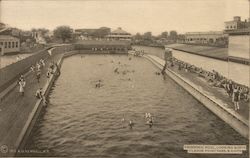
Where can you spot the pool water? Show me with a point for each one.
(85, 121)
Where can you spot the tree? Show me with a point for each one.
(173, 35)
(63, 33)
(147, 36)
(101, 32)
(164, 34)
(181, 38)
(138, 36)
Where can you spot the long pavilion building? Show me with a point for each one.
(119, 34)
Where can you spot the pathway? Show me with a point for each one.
(15, 109)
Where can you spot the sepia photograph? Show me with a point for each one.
(124, 78)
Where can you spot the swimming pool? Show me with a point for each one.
(82, 120)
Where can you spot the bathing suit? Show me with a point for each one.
(236, 96)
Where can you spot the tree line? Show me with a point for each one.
(148, 38)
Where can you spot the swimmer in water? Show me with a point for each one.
(149, 115)
(116, 70)
(131, 124)
(157, 73)
(123, 120)
(150, 122)
(98, 85)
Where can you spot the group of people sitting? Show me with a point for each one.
(234, 90)
(137, 52)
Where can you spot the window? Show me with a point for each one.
(9, 45)
(13, 44)
(17, 44)
(1, 43)
(5, 45)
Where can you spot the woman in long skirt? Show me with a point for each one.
(21, 88)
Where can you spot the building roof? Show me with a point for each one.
(205, 33)
(120, 31)
(103, 43)
(85, 30)
(120, 35)
(7, 37)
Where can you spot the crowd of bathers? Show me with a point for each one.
(35, 71)
(235, 91)
(148, 117)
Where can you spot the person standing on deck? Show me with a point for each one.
(42, 62)
(58, 70)
(22, 84)
(32, 68)
(38, 66)
(230, 88)
(236, 98)
(38, 75)
(167, 56)
(164, 69)
(48, 75)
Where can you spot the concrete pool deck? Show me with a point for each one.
(213, 98)
(15, 110)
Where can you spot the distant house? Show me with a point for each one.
(2, 26)
(9, 44)
(119, 34)
(92, 34)
(212, 38)
(37, 35)
(5, 29)
(238, 32)
(236, 24)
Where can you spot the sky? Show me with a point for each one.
(133, 16)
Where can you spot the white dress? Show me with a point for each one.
(22, 85)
